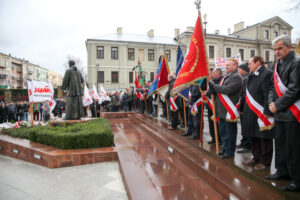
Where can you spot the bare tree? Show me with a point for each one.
(295, 7)
(79, 64)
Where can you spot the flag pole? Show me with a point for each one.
(197, 3)
(184, 114)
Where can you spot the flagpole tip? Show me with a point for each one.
(198, 3)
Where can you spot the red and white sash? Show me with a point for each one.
(280, 89)
(264, 123)
(140, 96)
(173, 105)
(194, 109)
(232, 112)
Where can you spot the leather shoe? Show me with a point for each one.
(250, 162)
(260, 167)
(225, 156)
(277, 177)
(194, 137)
(211, 142)
(292, 187)
(186, 134)
(243, 150)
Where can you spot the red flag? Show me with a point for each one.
(163, 78)
(195, 66)
(136, 82)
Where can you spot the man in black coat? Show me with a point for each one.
(284, 99)
(260, 134)
(3, 113)
(173, 113)
(230, 86)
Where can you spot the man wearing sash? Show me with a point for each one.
(284, 103)
(228, 94)
(173, 103)
(257, 123)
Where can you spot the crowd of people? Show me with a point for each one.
(265, 97)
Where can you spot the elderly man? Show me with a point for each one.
(284, 103)
(228, 94)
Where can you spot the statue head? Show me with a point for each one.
(71, 63)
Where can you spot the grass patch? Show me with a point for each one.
(91, 134)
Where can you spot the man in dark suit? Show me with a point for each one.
(284, 103)
(228, 93)
(255, 111)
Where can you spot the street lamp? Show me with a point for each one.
(97, 74)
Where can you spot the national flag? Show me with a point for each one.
(179, 61)
(86, 98)
(163, 83)
(95, 93)
(195, 66)
(141, 75)
(155, 81)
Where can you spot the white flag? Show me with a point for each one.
(95, 93)
(41, 91)
(52, 103)
(103, 95)
(87, 98)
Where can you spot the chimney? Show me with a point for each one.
(176, 32)
(217, 32)
(150, 33)
(119, 30)
(229, 31)
(239, 26)
(190, 29)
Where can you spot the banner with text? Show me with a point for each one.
(221, 62)
(41, 91)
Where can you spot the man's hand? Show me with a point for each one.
(204, 92)
(272, 107)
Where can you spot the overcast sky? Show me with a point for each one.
(45, 32)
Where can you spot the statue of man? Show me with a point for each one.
(73, 84)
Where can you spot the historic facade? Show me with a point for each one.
(14, 73)
(112, 57)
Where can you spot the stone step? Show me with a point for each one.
(149, 171)
(226, 178)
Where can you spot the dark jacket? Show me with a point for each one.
(288, 70)
(231, 87)
(3, 113)
(168, 94)
(258, 86)
(243, 92)
(195, 93)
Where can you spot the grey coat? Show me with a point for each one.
(231, 87)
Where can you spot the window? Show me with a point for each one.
(168, 53)
(267, 56)
(114, 77)
(141, 54)
(228, 52)
(150, 54)
(114, 53)
(267, 36)
(151, 76)
(130, 53)
(211, 52)
(276, 34)
(130, 77)
(241, 51)
(252, 53)
(100, 52)
(100, 77)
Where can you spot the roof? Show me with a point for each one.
(135, 39)
(263, 22)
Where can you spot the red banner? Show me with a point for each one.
(195, 66)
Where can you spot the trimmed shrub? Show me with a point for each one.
(91, 134)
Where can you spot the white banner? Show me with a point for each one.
(221, 62)
(86, 98)
(41, 91)
(29, 87)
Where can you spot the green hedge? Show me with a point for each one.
(91, 134)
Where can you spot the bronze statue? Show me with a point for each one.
(73, 84)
